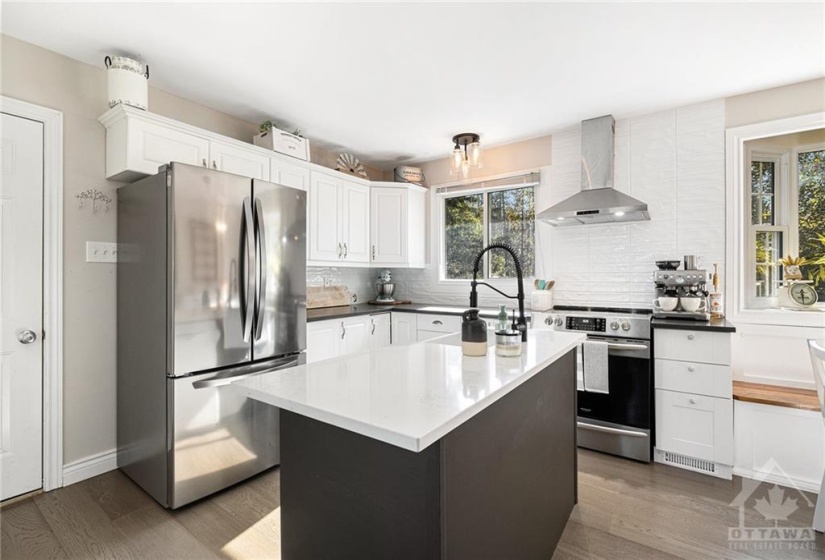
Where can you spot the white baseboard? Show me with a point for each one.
(90, 466)
(807, 485)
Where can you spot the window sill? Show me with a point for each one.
(782, 317)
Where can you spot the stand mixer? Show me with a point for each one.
(385, 287)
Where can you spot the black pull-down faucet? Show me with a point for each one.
(522, 321)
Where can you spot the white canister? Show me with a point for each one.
(717, 305)
(128, 82)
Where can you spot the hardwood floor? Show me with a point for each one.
(626, 510)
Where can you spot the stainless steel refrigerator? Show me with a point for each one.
(211, 287)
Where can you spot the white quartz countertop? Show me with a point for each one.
(409, 396)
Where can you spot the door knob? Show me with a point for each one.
(27, 337)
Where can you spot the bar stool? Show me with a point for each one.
(817, 350)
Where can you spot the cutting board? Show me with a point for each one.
(333, 296)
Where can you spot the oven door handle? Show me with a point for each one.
(624, 346)
(607, 430)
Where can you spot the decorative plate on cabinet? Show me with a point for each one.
(348, 163)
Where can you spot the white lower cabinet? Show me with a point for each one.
(355, 335)
(323, 340)
(694, 401)
(403, 328)
(695, 425)
(380, 330)
(339, 337)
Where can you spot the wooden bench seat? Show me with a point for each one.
(788, 397)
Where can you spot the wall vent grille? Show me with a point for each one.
(689, 462)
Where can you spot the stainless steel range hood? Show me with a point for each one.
(597, 202)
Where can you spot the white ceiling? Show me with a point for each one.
(393, 82)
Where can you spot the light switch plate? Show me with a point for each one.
(101, 252)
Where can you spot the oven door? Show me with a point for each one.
(629, 401)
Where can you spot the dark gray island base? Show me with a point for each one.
(501, 485)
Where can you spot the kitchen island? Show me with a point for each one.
(420, 452)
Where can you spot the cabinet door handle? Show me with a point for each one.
(339, 250)
(692, 401)
(437, 322)
(690, 368)
(690, 337)
(373, 326)
(345, 250)
(204, 162)
(343, 330)
(373, 252)
(214, 165)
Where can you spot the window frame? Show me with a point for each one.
(781, 217)
(442, 237)
(737, 171)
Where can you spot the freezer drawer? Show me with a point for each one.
(219, 438)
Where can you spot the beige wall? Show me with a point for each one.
(527, 154)
(42, 77)
(776, 103)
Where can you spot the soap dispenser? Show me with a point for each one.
(473, 334)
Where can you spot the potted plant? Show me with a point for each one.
(791, 264)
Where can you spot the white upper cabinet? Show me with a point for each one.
(288, 174)
(397, 225)
(350, 222)
(239, 161)
(339, 232)
(324, 218)
(136, 148)
(356, 223)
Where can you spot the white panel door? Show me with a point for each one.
(380, 330)
(232, 159)
(324, 226)
(151, 145)
(388, 211)
(403, 328)
(323, 340)
(21, 307)
(356, 335)
(356, 223)
(288, 174)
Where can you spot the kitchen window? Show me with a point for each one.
(785, 206)
(475, 215)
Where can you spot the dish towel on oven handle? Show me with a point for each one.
(596, 379)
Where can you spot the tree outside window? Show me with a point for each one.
(473, 221)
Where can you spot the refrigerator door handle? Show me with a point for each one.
(220, 380)
(247, 259)
(260, 245)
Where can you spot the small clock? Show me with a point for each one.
(803, 295)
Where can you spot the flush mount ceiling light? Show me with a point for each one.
(465, 154)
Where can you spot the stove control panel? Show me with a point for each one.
(589, 324)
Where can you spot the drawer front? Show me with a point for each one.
(438, 323)
(692, 346)
(695, 425)
(694, 377)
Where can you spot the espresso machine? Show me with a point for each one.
(681, 294)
